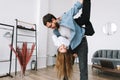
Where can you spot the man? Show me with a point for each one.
(72, 30)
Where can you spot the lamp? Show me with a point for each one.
(109, 28)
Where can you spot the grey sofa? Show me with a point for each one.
(108, 55)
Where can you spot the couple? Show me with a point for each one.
(70, 37)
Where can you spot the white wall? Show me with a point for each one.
(43, 8)
(33, 10)
(102, 11)
(20, 9)
(28, 11)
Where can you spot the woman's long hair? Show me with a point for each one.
(64, 64)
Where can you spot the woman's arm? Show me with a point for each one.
(75, 9)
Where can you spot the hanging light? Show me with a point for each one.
(109, 28)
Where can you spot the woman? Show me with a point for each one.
(65, 58)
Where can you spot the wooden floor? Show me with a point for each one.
(50, 74)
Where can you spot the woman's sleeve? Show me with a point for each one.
(58, 41)
(55, 40)
(64, 41)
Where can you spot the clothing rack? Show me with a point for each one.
(21, 25)
(10, 59)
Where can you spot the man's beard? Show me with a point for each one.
(57, 25)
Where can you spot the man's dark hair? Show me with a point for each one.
(48, 18)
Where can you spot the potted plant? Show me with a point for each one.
(23, 55)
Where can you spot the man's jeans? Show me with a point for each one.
(82, 51)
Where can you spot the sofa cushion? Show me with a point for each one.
(99, 53)
(95, 54)
(107, 59)
(104, 54)
(97, 60)
(109, 53)
(119, 54)
(115, 54)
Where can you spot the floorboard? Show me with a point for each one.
(49, 73)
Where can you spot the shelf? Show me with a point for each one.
(24, 28)
(24, 41)
(26, 32)
(27, 49)
(6, 25)
(4, 60)
(25, 35)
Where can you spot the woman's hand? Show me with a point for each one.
(81, 1)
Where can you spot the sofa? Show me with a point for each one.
(107, 55)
